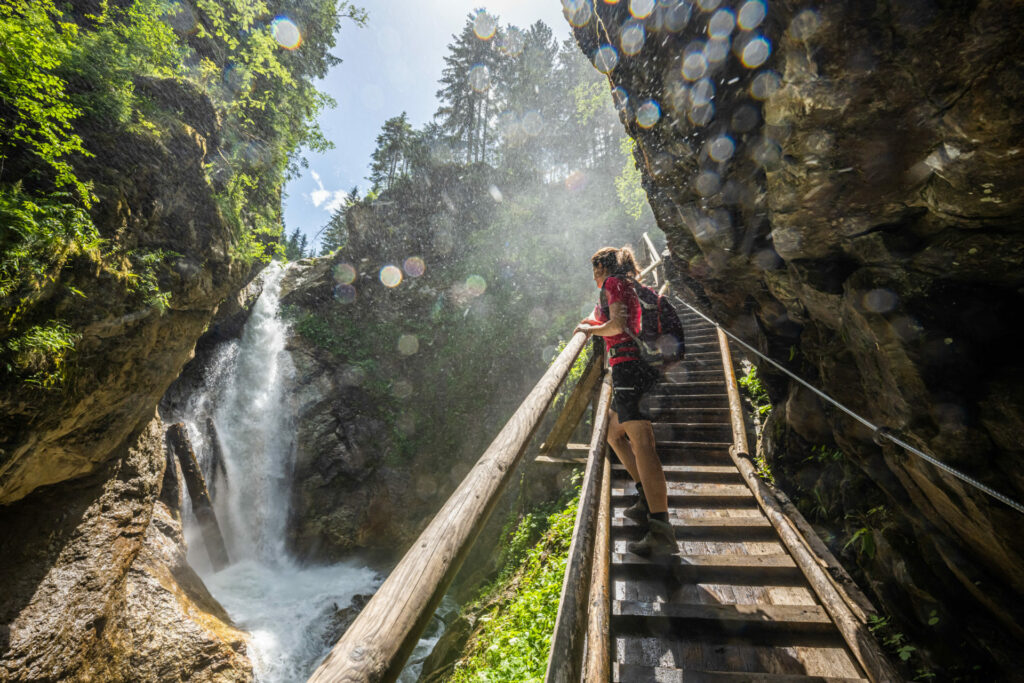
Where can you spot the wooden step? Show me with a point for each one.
(732, 569)
(693, 388)
(684, 431)
(658, 401)
(633, 673)
(748, 621)
(682, 494)
(725, 474)
(692, 414)
(703, 528)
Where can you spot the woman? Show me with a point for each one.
(617, 320)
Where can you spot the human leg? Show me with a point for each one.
(648, 466)
(620, 444)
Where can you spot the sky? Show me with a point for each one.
(391, 65)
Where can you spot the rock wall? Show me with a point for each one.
(840, 184)
(95, 583)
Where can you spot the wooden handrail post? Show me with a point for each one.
(597, 666)
(378, 642)
(855, 633)
(566, 652)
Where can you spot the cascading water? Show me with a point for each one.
(286, 608)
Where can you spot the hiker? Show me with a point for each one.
(630, 434)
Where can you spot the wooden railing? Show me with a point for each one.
(378, 642)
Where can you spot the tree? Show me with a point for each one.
(391, 158)
(335, 233)
(465, 110)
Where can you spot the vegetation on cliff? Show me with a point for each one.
(83, 82)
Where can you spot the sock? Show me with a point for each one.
(640, 490)
(660, 516)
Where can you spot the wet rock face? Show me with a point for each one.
(96, 587)
(153, 195)
(846, 195)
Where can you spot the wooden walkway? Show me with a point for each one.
(732, 605)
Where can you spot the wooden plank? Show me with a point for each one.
(381, 638)
(598, 660)
(560, 461)
(202, 506)
(565, 653)
(575, 406)
(627, 673)
(786, 617)
(854, 632)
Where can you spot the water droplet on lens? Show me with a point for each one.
(765, 84)
(414, 266)
(286, 33)
(717, 50)
(721, 148)
(480, 77)
(401, 389)
(619, 97)
(708, 5)
(695, 65)
(495, 193)
(475, 285)
(707, 183)
(880, 301)
(390, 276)
(745, 118)
(721, 24)
(632, 39)
(756, 52)
(805, 25)
(484, 25)
(605, 59)
(641, 8)
(344, 274)
(408, 344)
(345, 293)
(647, 114)
(751, 15)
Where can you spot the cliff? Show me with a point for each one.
(840, 186)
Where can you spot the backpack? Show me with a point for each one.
(660, 340)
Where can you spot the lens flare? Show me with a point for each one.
(605, 59)
(751, 15)
(676, 15)
(512, 42)
(475, 285)
(480, 77)
(641, 9)
(484, 25)
(578, 12)
(708, 5)
(632, 40)
(408, 344)
(756, 52)
(414, 266)
(648, 114)
(286, 33)
(390, 276)
(344, 274)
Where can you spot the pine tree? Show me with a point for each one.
(391, 158)
(335, 233)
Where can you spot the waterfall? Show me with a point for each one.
(286, 608)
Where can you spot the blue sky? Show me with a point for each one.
(389, 66)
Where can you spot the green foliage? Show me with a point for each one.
(756, 390)
(40, 117)
(513, 643)
(864, 540)
(40, 354)
(628, 184)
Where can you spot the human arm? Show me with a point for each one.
(615, 324)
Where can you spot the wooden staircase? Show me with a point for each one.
(732, 605)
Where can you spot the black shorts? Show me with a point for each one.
(630, 381)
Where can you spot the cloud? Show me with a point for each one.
(329, 200)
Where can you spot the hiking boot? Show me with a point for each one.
(659, 540)
(638, 510)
